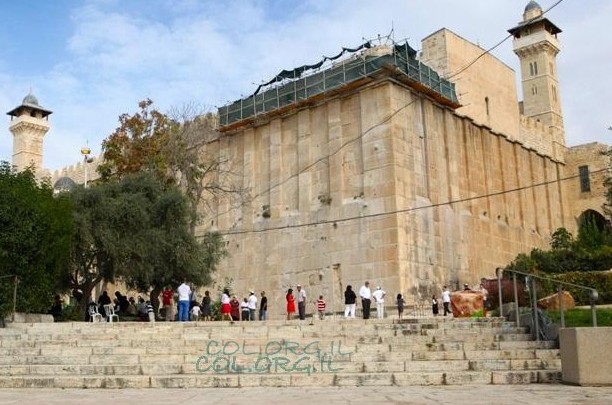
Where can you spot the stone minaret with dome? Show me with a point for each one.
(29, 124)
(536, 44)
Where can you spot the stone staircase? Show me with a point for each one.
(440, 351)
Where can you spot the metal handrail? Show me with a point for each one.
(533, 295)
(14, 292)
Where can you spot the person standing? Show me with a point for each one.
(400, 306)
(234, 309)
(263, 307)
(301, 299)
(184, 293)
(226, 308)
(434, 305)
(446, 300)
(349, 302)
(206, 306)
(167, 298)
(366, 299)
(321, 307)
(244, 310)
(252, 305)
(379, 299)
(290, 303)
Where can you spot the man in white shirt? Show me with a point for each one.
(184, 293)
(301, 299)
(379, 299)
(252, 305)
(446, 300)
(366, 299)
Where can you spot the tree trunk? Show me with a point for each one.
(154, 298)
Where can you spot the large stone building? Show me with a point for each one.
(374, 169)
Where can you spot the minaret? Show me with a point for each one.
(535, 43)
(29, 124)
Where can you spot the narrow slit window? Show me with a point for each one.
(585, 180)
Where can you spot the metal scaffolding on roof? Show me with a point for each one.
(284, 90)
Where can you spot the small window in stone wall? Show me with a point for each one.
(585, 181)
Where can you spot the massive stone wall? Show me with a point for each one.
(381, 183)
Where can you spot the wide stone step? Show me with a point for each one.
(277, 353)
(280, 380)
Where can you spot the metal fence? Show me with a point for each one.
(526, 287)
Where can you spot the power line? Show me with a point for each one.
(405, 210)
(466, 67)
(385, 120)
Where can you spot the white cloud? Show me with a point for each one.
(211, 52)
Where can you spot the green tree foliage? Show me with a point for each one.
(174, 148)
(137, 229)
(590, 251)
(607, 206)
(35, 233)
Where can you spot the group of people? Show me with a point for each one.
(234, 310)
(187, 306)
(121, 305)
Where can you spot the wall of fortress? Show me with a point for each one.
(76, 172)
(381, 184)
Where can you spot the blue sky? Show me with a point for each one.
(90, 60)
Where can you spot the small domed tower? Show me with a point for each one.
(535, 43)
(29, 124)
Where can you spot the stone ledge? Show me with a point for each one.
(21, 317)
(585, 356)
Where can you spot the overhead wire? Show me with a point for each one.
(383, 121)
(489, 50)
(405, 210)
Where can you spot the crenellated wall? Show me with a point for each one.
(76, 172)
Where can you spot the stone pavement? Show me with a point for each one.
(540, 394)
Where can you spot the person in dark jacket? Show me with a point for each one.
(103, 299)
(349, 302)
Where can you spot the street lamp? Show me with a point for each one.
(87, 158)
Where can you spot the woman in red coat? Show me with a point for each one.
(290, 303)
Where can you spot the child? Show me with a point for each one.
(150, 311)
(195, 312)
(321, 307)
(244, 309)
(400, 306)
(434, 305)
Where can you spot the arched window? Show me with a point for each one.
(593, 217)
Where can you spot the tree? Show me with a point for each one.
(176, 149)
(35, 232)
(561, 239)
(590, 251)
(137, 229)
(607, 206)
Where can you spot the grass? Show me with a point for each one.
(578, 317)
